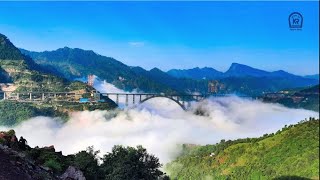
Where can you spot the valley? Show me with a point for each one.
(24, 77)
(239, 79)
(159, 90)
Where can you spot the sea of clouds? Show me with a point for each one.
(160, 125)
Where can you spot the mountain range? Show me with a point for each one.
(235, 70)
(77, 63)
(241, 79)
(313, 76)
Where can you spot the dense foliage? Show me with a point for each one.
(120, 164)
(306, 98)
(7, 50)
(131, 163)
(291, 152)
(13, 113)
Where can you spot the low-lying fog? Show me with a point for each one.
(159, 125)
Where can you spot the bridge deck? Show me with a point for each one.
(95, 97)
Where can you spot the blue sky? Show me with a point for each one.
(172, 34)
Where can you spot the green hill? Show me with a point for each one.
(306, 98)
(19, 73)
(78, 63)
(292, 152)
(26, 74)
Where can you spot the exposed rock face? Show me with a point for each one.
(14, 166)
(72, 174)
(13, 162)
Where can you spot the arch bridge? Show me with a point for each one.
(183, 100)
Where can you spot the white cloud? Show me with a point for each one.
(105, 87)
(159, 125)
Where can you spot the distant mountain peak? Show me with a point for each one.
(238, 66)
(281, 72)
(196, 73)
(240, 70)
(155, 69)
(235, 64)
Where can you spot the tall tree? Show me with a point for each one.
(131, 163)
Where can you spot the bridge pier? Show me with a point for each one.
(117, 99)
(127, 99)
(30, 96)
(133, 97)
(140, 99)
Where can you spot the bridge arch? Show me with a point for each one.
(168, 97)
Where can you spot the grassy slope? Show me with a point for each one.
(294, 151)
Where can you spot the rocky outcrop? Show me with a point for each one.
(13, 161)
(15, 166)
(72, 173)
(18, 161)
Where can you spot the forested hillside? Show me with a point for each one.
(19, 73)
(26, 74)
(306, 98)
(78, 63)
(239, 79)
(288, 153)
